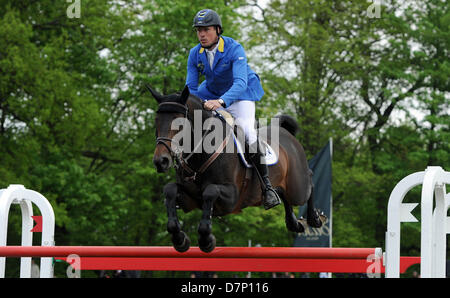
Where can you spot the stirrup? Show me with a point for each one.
(273, 203)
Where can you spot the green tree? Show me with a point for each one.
(75, 124)
(350, 76)
(306, 50)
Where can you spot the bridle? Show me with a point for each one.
(171, 107)
(177, 153)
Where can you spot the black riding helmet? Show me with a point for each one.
(206, 18)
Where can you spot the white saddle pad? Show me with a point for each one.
(271, 157)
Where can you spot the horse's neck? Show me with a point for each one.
(196, 104)
(197, 138)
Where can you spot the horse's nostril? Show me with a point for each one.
(162, 163)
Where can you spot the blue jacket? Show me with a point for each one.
(231, 78)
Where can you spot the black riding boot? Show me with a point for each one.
(270, 196)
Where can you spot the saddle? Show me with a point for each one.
(270, 157)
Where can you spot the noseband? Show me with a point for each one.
(177, 154)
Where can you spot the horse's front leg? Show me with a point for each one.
(207, 241)
(180, 240)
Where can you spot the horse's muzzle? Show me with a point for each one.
(162, 163)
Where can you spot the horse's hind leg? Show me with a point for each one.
(314, 219)
(292, 223)
(180, 240)
(207, 241)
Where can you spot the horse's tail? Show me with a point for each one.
(288, 123)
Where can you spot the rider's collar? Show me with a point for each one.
(220, 47)
(213, 49)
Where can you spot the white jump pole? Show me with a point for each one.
(18, 194)
(399, 212)
(434, 224)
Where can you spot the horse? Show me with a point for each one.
(218, 182)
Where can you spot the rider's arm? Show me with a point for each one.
(192, 73)
(240, 76)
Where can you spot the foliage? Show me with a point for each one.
(77, 125)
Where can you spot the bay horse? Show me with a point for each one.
(218, 182)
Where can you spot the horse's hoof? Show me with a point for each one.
(181, 242)
(296, 225)
(207, 245)
(301, 224)
(316, 220)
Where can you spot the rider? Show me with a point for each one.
(229, 83)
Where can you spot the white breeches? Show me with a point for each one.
(243, 111)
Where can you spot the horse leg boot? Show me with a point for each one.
(270, 196)
(180, 240)
(207, 241)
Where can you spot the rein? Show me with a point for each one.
(177, 153)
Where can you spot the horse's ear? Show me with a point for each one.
(155, 94)
(185, 94)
